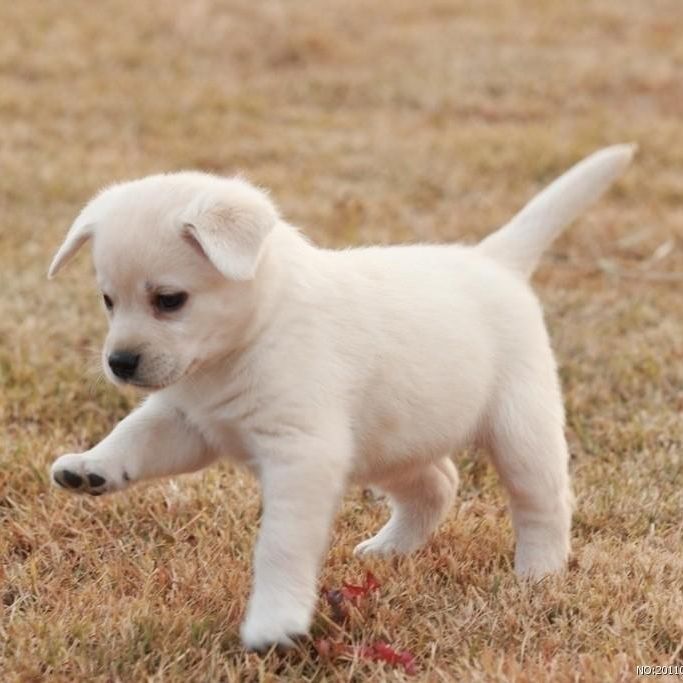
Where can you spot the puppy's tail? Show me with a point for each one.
(520, 243)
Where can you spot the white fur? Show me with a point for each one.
(321, 368)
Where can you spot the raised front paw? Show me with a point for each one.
(80, 474)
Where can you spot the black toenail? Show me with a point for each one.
(125, 476)
(96, 480)
(59, 481)
(72, 480)
(95, 493)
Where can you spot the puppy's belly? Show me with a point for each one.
(391, 442)
(419, 409)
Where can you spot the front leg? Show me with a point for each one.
(153, 441)
(302, 482)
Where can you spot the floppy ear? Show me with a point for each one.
(230, 230)
(79, 233)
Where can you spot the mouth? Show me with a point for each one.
(151, 386)
(136, 383)
(145, 384)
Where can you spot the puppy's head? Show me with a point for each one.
(176, 258)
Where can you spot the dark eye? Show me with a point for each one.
(170, 302)
(108, 302)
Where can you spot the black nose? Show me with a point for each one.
(124, 363)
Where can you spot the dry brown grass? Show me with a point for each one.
(377, 122)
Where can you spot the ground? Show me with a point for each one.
(369, 122)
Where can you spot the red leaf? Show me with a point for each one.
(376, 652)
(351, 592)
(385, 653)
(371, 583)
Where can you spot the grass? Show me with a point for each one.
(384, 122)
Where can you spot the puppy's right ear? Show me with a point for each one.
(79, 233)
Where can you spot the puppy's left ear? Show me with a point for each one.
(79, 233)
(230, 228)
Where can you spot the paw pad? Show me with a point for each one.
(91, 483)
(96, 480)
(68, 479)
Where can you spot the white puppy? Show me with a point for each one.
(320, 368)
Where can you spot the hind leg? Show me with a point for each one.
(419, 502)
(530, 453)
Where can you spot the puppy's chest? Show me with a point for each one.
(221, 430)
